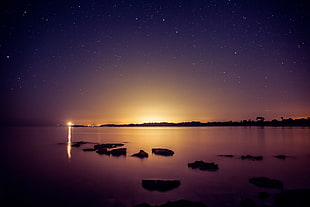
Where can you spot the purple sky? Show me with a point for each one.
(99, 62)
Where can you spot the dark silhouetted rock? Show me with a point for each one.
(283, 157)
(247, 203)
(250, 157)
(75, 145)
(79, 143)
(89, 150)
(263, 195)
(141, 154)
(293, 198)
(118, 152)
(144, 205)
(160, 185)
(162, 151)
(113, 145)
(103, 151)
(180, 203)
(203, 165)
(225, 155)
(266, 182)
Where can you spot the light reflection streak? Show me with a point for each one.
(69, 140)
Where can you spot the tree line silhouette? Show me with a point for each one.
(259, 121)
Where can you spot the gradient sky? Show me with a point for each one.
(97, 62)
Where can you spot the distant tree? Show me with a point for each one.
(260, 119)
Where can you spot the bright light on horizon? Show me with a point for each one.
(69, 123)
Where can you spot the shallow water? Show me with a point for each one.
(40, 169)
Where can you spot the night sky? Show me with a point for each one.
(95, 62)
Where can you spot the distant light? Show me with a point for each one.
(69, 124)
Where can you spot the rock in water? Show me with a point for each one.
(162, 151)
(113, 145)
(225, 155)
(266, 182)
(250, 157)
(141, 154)
(160, 185)
(293, 198)
(283, 157)
(118, 152)
(204, 165)
(180, 203)
(103, 151)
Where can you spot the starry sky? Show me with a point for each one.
(96, 62)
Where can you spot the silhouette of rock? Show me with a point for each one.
(250, 157)
(263, 195)
(283, 157)
(118, 152)
(114, 145)
(89, 150)
(103, 151)
(79, 143)
(293, 198)
(179, 203)
(266, 182)
(162, 151)
(204, 165)
(247, 203)
(140, 154)
(160, 185)
(225, 155)
(75, 145)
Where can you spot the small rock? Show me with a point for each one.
(283, 157)
(118, 152)
(266, 182)
(160, 185)
(250, 157)
(162, 151)
(247, 203)
(89, 149)
(75, 145)
(179, 203)
(204, 165)
(103, 151)
(111, 145)
(225, 155)
(293, 198)
(263, 195)
(141, 154)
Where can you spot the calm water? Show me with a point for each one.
(39, 169)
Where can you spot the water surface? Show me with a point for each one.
(40, 169)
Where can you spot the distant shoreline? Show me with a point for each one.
(259, 122)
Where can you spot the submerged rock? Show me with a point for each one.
(141, 154)
(293, 198)
(263, 195)
(250, 157)
(103, 151)
(162, 151)
(79, 143)
(160, 185)
(179, 203)
(89, 150)
(204, 165)
(225, 155)
(247, 203)
(110, 145)
(266, 182)
(283, 157)
(118, 152)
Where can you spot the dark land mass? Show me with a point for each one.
(260, 121)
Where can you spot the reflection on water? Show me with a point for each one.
(91, 179)
(69, 141)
